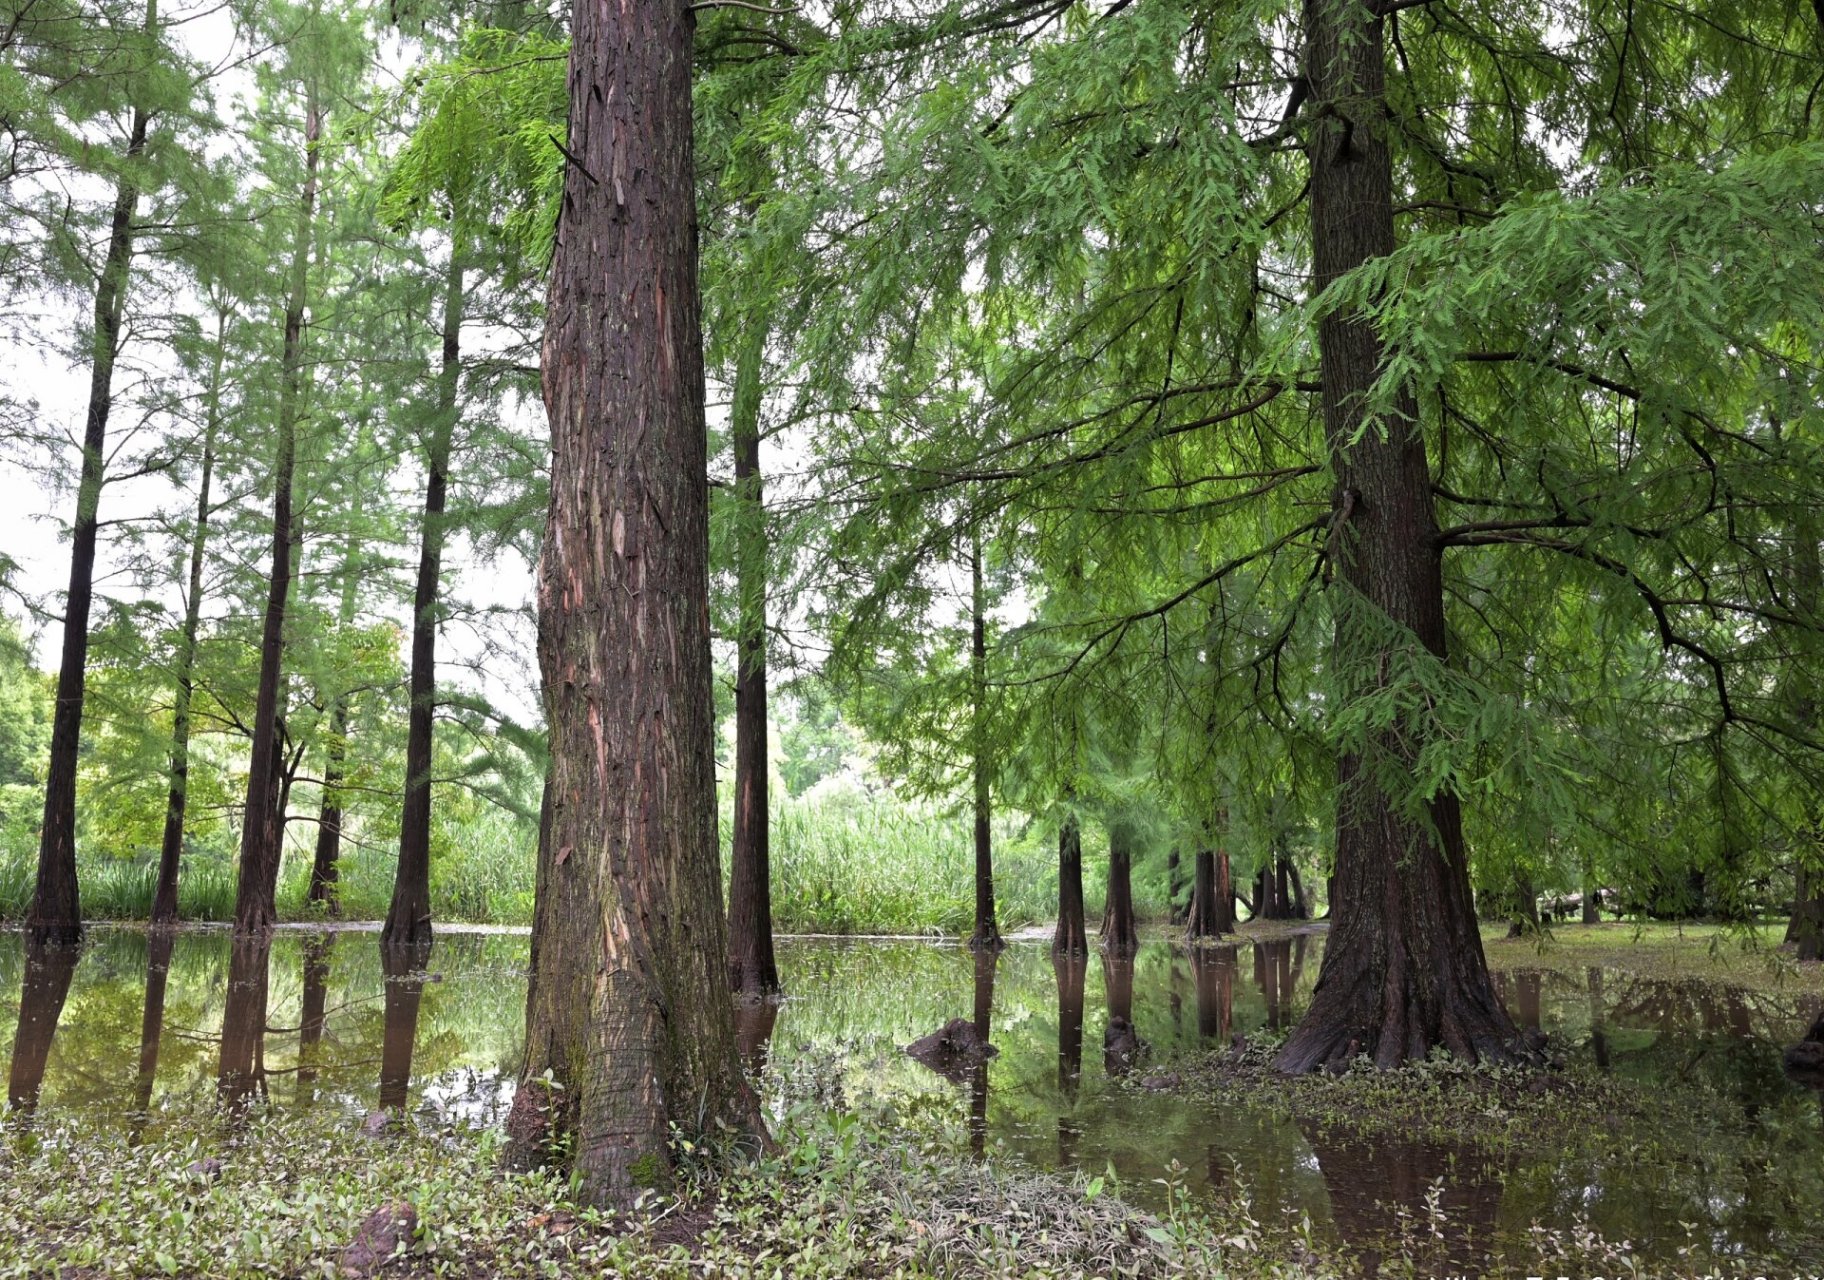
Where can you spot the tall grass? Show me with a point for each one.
(858, 863)
(847, 862)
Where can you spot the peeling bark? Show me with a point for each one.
(628, 1008)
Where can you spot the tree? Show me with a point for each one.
(1403, 968)
(753, 973)
(262, 829)
(56, 911)
(629, 1010)
(171, 846)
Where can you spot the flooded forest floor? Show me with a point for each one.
(1130, 1125)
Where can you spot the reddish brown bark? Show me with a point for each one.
(263, 827)
(1071, 937)
(629, 1008)
(1120, 932)
(1212, 896)
(1403, 968)
(752, 970)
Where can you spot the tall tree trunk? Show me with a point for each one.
(408, 916)
(1212, 896)
(987, 932)
(1297, 906)
(1120, 933)
(752, 971)
(1071, 937)
(48, 970)
(263, 830)
(325, 866)
(55, 916)
(1523, 915)
(628, 1006)
(171, 848)
(1403, 968)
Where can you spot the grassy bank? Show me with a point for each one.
(840, 1196)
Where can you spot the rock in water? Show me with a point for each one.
(378, 1238)
(952, 1049)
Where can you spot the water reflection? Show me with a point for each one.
(241, 1067)
(1279, 967)
(1213, 972)
(48, 971)
(754, 1023)
(1122, 1046)
(151, 1026)
(1071, 972)
(404, 970)
(1441, 1201)
(987, 960)
(313, 1016)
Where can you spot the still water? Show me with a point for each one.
(134, 1025)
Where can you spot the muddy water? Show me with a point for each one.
(1081, 1080)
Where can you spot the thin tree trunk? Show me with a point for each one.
(262, 831)
(55, 916)
(752, 971)
(1298, 908)
(325, 866)
(1174, 881)
(987, 932)
(171, 848)
(408, 916)
(1403, 968)
(1120, 932)
(1071, 937)
(1805, 928)
(628, 1007)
